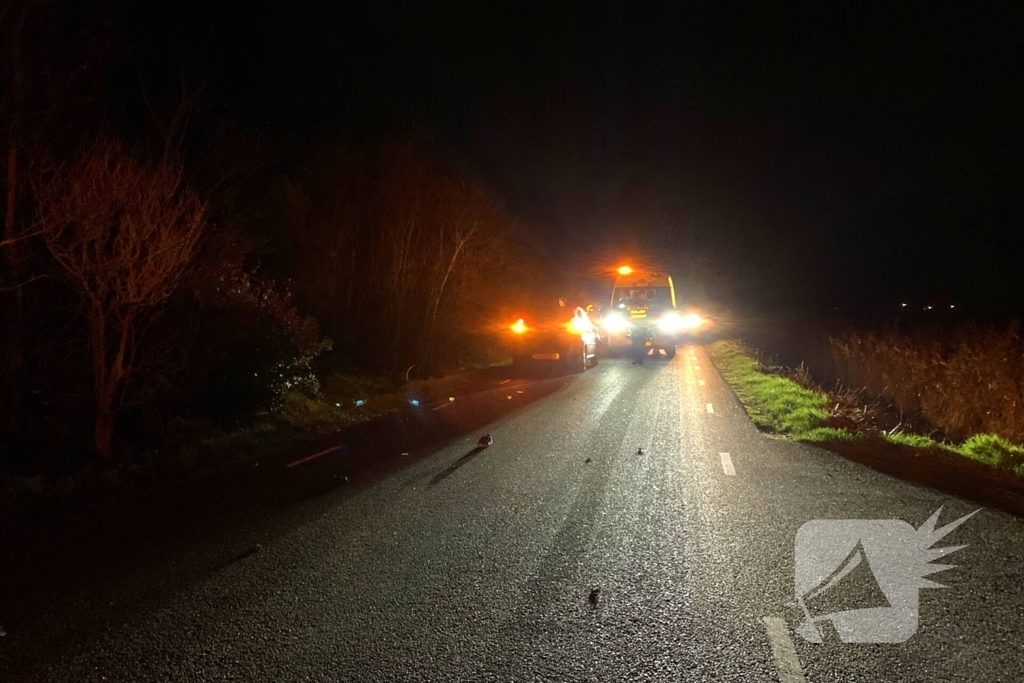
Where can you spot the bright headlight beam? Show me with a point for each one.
(614, 323)
(673, 322)
(692, 320)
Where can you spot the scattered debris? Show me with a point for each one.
(337, 405)
(484, 441)
(588, 460)
(509, 398)
(595, 595)
(340, 479)
(451, 398)
(2, 632)
(405, 453)
(639, 451)
(360, 402)
(520, 392)
(414, 402)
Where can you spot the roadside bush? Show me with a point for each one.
(252, 346)
(968, 382)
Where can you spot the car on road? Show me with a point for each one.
(551, 334)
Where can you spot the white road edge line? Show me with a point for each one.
(786, 660)
(311, 457)
(727, 467)
(711, 408)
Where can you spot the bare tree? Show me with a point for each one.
(123, 235)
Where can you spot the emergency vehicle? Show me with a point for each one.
(645, 301)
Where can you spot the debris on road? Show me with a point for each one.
(414, 402)
(2, 632)
(341, 479)
(520, 392)
(509, 397)
(484, 441)
(639, 451)
(360, 402)
(595, 595)
(405, 453)
(588, 460)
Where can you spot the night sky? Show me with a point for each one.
(792, 158)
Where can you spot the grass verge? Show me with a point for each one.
(776, 404)
(780, 405)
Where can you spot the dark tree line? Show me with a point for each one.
(172, 264)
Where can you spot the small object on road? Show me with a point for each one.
(451, 398)
(360, 402)
(639, 451)
(341, 479)
(595, 595)
(484, 441)
(2, 632)
(509, 398)
(519, 392)
(588, 460)
(414, 402)
(337, 405)
(405, 453)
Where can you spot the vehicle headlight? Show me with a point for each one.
(613, 322)
(518, 326)
(692, 321)
(578, 325)
(673, 322)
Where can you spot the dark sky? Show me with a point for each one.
(781, 156)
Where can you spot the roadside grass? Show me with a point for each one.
(775, 404)
(779, 405)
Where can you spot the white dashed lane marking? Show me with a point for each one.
(711, 409)
(786, 661)
(727, 467)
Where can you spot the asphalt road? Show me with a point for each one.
(455, 563)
